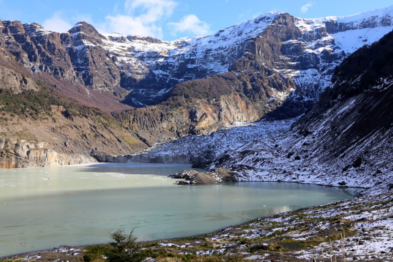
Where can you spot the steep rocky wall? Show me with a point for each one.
(38, 51)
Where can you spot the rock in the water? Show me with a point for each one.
(193, 177)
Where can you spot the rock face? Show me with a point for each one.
(217, 176)
(15, 82)
(345, 140)
(39, 126)
(21, 154)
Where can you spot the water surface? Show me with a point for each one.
(43, 208)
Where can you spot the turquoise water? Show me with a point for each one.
(77, 205)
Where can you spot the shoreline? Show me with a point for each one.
(354, 196)
(18, 255)
(296, 226)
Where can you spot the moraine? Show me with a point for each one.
(78, 205)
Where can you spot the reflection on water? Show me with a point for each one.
(47, 207)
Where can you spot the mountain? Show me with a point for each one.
(157, 91)
(306, 50)
(285, 63)
(344, 140)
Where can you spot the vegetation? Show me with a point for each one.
(124, 248)
(210, 88)
(27, 103)
(34, 104)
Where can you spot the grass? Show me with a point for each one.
(38, 105)
(129, 140)
(25, 135)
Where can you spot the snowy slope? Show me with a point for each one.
(202, 150)
(324, 155)
(344, 140)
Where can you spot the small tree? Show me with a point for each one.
(124, 248)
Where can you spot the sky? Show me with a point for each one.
(169, 19)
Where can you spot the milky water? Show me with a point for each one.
(46, 207)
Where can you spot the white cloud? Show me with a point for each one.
(150, 12)
(307, 6)
(192, 24)
(57, 23)
(140, 17)
(128, 25)
(154, 9)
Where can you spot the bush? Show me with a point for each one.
(124, 248)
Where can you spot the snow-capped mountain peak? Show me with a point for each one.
(304, 50)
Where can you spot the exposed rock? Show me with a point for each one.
(193, 177)
(34, 134)
(212, 104)
(21, 154)
(15, 82)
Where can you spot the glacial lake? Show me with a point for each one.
(42, 208)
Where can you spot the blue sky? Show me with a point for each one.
(169, 19)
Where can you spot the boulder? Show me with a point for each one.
(193, 177)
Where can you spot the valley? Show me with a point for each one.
(277, 101)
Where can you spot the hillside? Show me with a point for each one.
(344, 140)
(41, 127)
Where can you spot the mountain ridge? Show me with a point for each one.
(153, 57)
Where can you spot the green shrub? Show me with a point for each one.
(124, 248)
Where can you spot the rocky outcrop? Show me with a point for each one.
(38, 50)
(15, 82)
(193, 177)
(22, 154)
